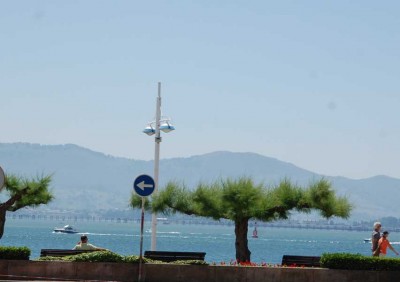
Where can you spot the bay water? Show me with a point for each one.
(218, 241)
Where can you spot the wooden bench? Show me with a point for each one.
(307, 261)
(173, 256)
(61, 252)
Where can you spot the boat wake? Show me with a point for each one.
(108, 234)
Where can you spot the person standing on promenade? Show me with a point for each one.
(384, 243)
(376, 235)
(84, 245)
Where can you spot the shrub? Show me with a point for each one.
(50, 258)
(189, 262)
(132, 259)
(358, 262)
(100, 256)
(107, 256)
(15, 253)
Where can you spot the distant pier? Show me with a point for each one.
(298, 224)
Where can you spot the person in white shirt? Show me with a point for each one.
(84, 245)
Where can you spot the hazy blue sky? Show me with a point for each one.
(314, 83)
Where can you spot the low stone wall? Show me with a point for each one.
(44, 270)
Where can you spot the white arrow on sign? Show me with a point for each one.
(143, 185)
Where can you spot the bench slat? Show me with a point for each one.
(309, 261)
(61, 252)
(167, 256)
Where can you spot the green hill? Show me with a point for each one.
(88, 180)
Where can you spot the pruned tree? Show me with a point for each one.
(23, 193)
(241, 200)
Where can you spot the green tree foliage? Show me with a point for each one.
(23, 193)
(241, 200)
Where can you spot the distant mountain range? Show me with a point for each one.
(88, 180)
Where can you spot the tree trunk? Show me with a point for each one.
(242, 249)
(3, 212)
(4, 207)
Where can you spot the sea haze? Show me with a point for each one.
(88, 180)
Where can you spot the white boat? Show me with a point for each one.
(164, 220)
(66, 229)
(367, 240)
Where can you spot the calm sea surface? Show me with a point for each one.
(217, 241)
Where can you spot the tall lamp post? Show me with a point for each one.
(161, 123)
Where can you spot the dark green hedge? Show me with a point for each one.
(100, 256)
(107, 256)
(15, 253)
(358, 262)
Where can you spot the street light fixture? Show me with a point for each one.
(161, 123)
(165, 126)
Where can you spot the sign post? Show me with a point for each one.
(144, 186)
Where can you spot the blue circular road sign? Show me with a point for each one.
(144, 185)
